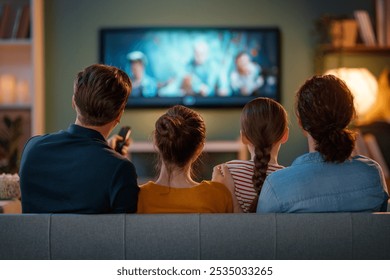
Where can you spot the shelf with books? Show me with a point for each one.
(22, 73)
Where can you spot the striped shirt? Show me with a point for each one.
(242, 173)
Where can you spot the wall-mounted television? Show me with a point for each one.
(195, 66)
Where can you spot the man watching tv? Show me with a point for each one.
(77, 170)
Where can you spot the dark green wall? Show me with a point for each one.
(71, 42)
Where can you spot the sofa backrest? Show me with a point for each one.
(333, 236)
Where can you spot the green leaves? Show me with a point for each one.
(10, 135)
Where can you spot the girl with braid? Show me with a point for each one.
(328, 178)
(263, 130)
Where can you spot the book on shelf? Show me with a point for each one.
(24, 22)
(380, 14)
(5, 21)
(387, 22)
(365, 27)
(14, 21)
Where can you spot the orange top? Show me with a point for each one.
(206, 197)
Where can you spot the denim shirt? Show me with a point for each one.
(312, 185)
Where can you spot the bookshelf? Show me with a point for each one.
(371, 49)
(22, 58)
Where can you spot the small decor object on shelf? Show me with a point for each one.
(9, 186)
(22, 92)
(7, 89)
(343, 33)
(332, 29)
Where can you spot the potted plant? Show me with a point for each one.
(10, 136)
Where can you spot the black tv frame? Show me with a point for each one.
(193, 101)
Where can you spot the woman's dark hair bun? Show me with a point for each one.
(168, 126)
(178, 135)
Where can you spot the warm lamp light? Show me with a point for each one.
(362, 84)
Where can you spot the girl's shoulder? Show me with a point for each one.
(249, 164)
(274, 167)
(237, 163)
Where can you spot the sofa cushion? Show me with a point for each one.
(325, 236)
(87, 237)
(162, 236)
(238, 236)
(24, 237)
(371, 236)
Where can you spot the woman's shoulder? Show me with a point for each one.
(364, 160)
(212, 184)
(216, 189)
(150, 185)
(361, 161)
(203, 185)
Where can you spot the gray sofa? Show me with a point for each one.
(195, 236)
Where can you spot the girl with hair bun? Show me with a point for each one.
(179, 137)
(328, 178)
(264, 127)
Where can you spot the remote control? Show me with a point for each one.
(125, 133)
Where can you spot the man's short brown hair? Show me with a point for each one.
(100, 94)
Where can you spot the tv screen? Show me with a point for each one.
(198, 67)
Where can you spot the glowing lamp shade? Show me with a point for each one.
(362, 84)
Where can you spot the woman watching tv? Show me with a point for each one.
(179, 137)
(328, 178)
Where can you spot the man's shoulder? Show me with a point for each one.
(38, 141)
(123, 161)
(46, 137)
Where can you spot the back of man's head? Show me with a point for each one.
(100, 94)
